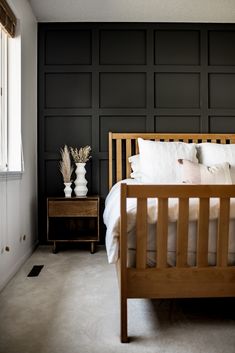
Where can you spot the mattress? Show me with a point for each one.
(192, 244)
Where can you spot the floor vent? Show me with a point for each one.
(35, 271)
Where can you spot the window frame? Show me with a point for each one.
(3, 100)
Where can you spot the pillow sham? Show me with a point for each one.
(196, 173)
(157, 160)
(135, 167)
(213, 153)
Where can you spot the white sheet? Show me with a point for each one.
(112, 218)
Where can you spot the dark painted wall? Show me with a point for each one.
(95, 78)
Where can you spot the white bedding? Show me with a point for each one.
(112, 217)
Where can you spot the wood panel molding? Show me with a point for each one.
(127, 77)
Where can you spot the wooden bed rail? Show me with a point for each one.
(124, 145)
(181, 280)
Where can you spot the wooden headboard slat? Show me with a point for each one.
(130, 139)
(119, 160)
(128, 154)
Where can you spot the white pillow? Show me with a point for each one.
(195, 173)
(158, 160)
(135, 167)
(214, 153)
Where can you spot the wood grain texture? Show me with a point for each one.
(202, 233)
(174, 137)
(182, 233)
(128, 154)
(84, 208)
(141, 233)
(162, 233)
(183, 191)
(110, 160)
(136, 146)
(73, 219)
(223, 232)
(130, 138)
(175, 282)
(119, 159)
(123, 266)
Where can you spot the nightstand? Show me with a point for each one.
(74, 219)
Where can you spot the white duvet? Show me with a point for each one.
(112, 218)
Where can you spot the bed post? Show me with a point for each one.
(110, 160)
(123, 266)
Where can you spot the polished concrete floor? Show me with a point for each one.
(72, 307)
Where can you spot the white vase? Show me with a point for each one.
(67, 190)
(80, 182)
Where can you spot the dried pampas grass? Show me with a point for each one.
(82, 155)
(66, 168)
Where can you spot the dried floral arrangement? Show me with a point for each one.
(82, 155)
(66, 168)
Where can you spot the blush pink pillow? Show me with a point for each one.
(195, 173)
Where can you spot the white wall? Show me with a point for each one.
(134, 10)
(18, 196)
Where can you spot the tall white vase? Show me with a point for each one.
(80, 182)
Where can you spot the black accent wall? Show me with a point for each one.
(129, 77)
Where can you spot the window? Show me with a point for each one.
(3, 99)
(10, 141)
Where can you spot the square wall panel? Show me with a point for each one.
(222, 90)
(68, 90)
(123, 90)
(178, 124)
(177, 90)
(122, 47)
(66, 130)
(222, 47)
(177, 47)
(119, 124)
(222, 124)
(68, 47)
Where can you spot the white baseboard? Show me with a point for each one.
(17, 266)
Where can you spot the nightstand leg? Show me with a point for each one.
(92, 248)
(54, 250)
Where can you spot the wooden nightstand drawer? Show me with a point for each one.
(75, 208)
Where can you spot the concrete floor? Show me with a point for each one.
(72, 307)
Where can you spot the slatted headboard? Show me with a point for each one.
(124, 145)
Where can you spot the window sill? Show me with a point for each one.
(11, 175)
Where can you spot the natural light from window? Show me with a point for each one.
(10, 92)
(10, 104)
(3, 100)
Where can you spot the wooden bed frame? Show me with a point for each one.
(181, 280)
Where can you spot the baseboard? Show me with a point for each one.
(17, 266)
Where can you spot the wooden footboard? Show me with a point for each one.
(181, 280)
